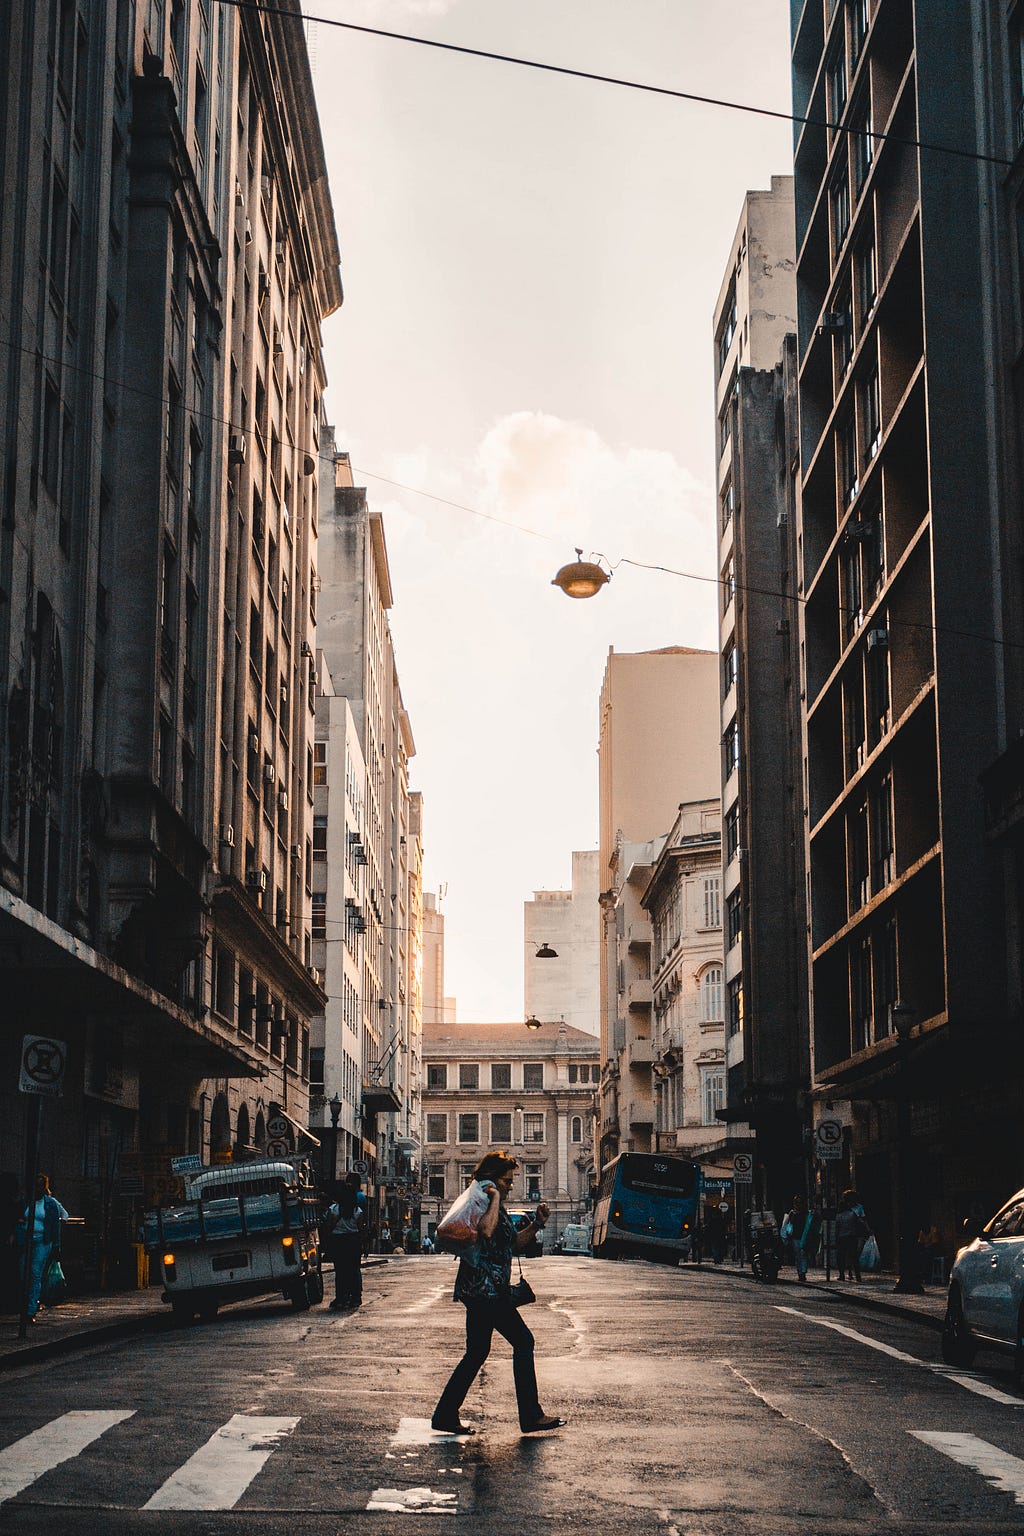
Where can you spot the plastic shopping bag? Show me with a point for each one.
(54, 1287)
(457, 1231)
(870, 1258)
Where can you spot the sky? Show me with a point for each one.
(531, 265)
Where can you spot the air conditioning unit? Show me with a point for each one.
(256, 879)
(782, 626)
(248, 232)
(282, 799)
(236, 450)
(315, 974)
(296, 851)
(269, 773)
(265, 184)
(307, 649)
(264, 287)
(833, 320)
(861, 529)
(878, 639)
(227, 835)
(254, 741)
(782, 520)
(284, 693)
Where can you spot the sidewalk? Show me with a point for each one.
(87, 1320)
(875, 1292)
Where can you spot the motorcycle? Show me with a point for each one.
(765, 1246)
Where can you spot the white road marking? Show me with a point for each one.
(45, 1448)
(970, 1383)
(419, 1432)
(221, 1470)
(421, 1501)
(427, 1300)
(997, 1467)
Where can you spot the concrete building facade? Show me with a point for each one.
(531, 1092)
(567, 986)
(658, 743)
(683, 898)
(762, 779)
(167, 257)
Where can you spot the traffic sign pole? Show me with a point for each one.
(35, 1141)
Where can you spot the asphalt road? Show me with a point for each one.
(699, 1404)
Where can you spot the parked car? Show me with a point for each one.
(535, 1247)
(574, 1238)
(985, 1303)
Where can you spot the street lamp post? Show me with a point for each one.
(334, 1105)
(901, 1018)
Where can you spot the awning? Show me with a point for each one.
(297, 1126)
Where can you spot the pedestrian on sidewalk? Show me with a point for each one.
(46, 1214)
(797, 1230)
(484, 1286)
(852, 1231)
(344, 1221)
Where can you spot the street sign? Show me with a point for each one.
(828, 1139)
(277, 1128)
(361, 1166)
(743, 1168)
(42, 1065)
(277, 1147)
(190, 1163)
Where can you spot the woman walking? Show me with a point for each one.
(46, 1215)
(797, 1229)
(483, 1285)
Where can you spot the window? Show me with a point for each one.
(867, 280)
(839, 199)
(466, 1171)
(853, 606)
(857, 855)
(224, 983)
(730, 666)
(501, 1128)
(882, 838)
(711, 996)
(731, 746)
(732, 834)
(712, 902)
(576, 1128)
(469, 1127)
(878, 688)
(858, 29)
(853, 702)
(724, 427)
(712, 1093)
(316, 1068)
(871, 414)
(849, 479)
(533, 1127)
(860, 995)
(727, 503)
(437, 1127)
(437, 1077)
(469, 1076)
(837, 85)
(319, 915)
(320, 838)
(584, 1074)
(534, 1172)
(533, 1074)
(435, 1182)
(863, 150)
(501, 1075)
(733, 919)
(734, 994)
(727, 328)
(728, 583)
(319, 762)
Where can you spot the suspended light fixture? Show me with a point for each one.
(531, 1023)
(581, 578)
(546, 952)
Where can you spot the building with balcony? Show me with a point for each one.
(909, 334)
(168, 256)
(658, 744)
(567, 985)
(764, 890)
(531, 1092)
(686, 1046)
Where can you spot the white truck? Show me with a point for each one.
(248, 1229)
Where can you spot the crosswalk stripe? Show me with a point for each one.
(222, 1469)
(57, 1441)
(997, 1467)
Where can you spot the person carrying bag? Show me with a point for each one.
(484, 1286)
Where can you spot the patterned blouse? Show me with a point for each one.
(485, 1273)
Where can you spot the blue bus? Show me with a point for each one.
(646, 1206)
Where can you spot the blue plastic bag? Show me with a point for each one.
(55, 1287)
(870, 1258)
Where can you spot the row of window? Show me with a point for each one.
(439, 1189)
(670, 1098)
(500, 1127)
(710, 985)
(470, 1075)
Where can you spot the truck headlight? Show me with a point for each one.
(170, 1268)
(288, 1244)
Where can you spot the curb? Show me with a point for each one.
(824, 1288)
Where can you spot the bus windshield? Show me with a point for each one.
(658, 1175)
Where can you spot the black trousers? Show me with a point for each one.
(346, 1250)
(483, 1317)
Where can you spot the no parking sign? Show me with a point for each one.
(42, 1065)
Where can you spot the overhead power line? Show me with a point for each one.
(617, 80)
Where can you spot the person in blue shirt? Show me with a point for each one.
(344, 1224)
(483, 1285)
(46, 1214)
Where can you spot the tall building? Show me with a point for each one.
(167, 257)
(909, 325)
(566, 985)
(433, 961)
(384, 907)
(762, 771)
(528, 1091)
(683, 897)
(658, 745)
